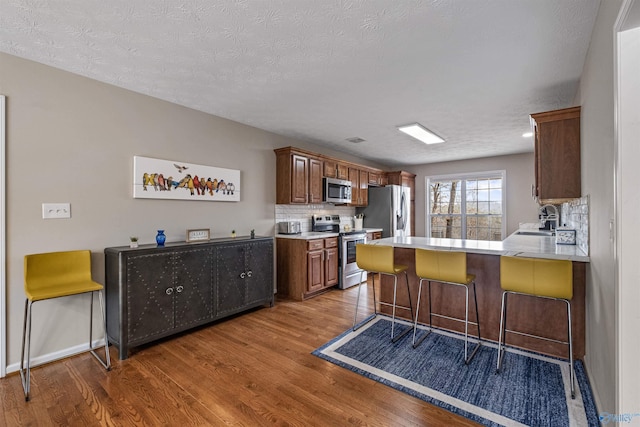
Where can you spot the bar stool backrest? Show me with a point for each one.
(54, 269)
(445, 266)
(377, 258)
(535, 276)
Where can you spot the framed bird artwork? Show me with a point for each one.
(170, 179)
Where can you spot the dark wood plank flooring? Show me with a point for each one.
(254, 369)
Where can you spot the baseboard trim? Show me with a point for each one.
(56, 355)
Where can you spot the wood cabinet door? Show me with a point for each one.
(192, 287)
(374, 178)
(315, 181)
(354, 177)
(364, 188)
(331, 267)
(149, 296)
(330, 169)
(299, 179)
(558, 161)
(315, 270)
(342, 171)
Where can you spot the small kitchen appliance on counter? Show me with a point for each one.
(289, 227)
(349, 273)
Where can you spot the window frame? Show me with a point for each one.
(463, 177)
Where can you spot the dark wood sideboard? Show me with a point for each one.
(154, 292)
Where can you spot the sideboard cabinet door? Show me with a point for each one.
(260, 272)
(149, 297)
(244, 275)
(192, 287)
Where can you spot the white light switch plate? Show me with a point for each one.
(56, 210)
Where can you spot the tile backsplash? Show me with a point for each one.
(303, 214)
(575, 216)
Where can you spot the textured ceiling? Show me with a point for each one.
(323, 71)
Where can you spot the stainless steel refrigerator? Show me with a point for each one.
(389, 209)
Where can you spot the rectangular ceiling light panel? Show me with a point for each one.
(420, 133)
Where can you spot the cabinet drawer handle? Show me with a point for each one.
(169, 291)
(242, 275)
(249, 273)
(179, 289)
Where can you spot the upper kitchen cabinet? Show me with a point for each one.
(405, 179)
(336, 169)
(557, 155)
(378, 179)
(359, 187)
(298, 177)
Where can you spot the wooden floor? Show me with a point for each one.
(255, 369)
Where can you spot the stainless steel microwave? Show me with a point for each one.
(336, 190)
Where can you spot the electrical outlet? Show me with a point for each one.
(56, 210)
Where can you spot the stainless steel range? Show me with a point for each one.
(349, 273)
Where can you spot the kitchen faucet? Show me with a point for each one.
(546, 216)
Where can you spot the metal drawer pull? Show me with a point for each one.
(169, 291)
(242, 275)
(179, 289)
(249, 273)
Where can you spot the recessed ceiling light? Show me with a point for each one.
(420, 133)
(527, 134)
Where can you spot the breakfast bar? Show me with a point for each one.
(534, 316)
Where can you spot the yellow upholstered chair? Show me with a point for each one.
(379, 259)
(536, 277)
(55, 275)
(449, 268)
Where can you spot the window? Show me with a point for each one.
(467, 206)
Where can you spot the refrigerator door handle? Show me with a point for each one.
(402, 220)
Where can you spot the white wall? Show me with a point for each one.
(520, 205)
(628, 206)
(72, 139)
(597, 148)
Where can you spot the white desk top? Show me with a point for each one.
(514, 245)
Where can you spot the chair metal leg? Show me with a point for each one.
(375, 311)
(395, 338)
(406, 278)
(572, 373)
(393, 310)
(106, 363)
(503, 326)
(466, 325)
(415, 323)
(25, 377)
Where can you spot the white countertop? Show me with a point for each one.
(514, 245)
(310, 235)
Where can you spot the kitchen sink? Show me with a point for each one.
(547, 233)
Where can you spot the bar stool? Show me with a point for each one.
(449, 268)
(535, 277)
(379, 259)
(55, 275)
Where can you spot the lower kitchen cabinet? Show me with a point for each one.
(306, 267)
(153, 292)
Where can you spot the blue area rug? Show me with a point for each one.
(531, 389)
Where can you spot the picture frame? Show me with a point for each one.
(177, 180)
(198, 235)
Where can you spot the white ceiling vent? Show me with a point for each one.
(355, 139)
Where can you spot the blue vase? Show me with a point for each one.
(160, 238)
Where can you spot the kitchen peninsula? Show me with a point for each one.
(534, 316)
